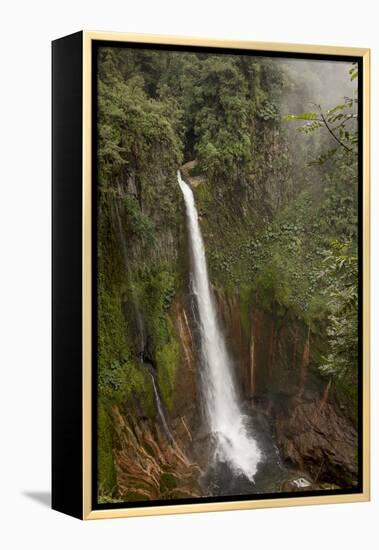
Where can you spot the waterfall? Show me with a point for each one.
(160, 410)
(233, 444)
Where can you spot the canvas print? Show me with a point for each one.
(227, 295)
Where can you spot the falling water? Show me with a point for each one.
(233, 444)
(160, 410)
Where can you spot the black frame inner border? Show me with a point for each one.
(95, 45)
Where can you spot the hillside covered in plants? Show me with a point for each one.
(268, 147)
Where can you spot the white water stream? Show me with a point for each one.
(160, 410)
(234, 445)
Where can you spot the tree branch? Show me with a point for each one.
(332, 133)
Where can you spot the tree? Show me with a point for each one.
(340, 122)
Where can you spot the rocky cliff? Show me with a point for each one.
(268, 225)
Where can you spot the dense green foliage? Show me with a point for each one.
(337, 277)
(154, 108)
(278, 210)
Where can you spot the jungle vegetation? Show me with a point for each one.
(278, 200)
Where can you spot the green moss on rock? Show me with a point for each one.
(106, 467)
(167, 482)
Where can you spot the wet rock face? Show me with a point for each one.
(148, 465)
(186, 406)
(271, 351)
(273, 370)
(275, 367)
(314, 437)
